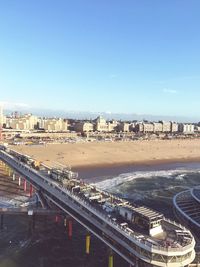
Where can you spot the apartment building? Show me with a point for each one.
(55, 125)
(124, 127)
(30, 122)
(158, 127)
(174, 127)
(26, 122)
(186, 128)
(166, 126)
(148, 127)
(84, 127)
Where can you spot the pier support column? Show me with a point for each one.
(136, 262)
(30, 190)
(87, 244)
(2, 221)
(37, 200)
(56, 219)
(25, 185)
(110, 259)
(19, 181)
(9, 172)
(65, 222)
(70, 229)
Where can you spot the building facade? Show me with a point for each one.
(84, 127)
(174, 127)
(166, 126)
(124, 127)
(186, 128)
(158, 127)
(55, 125)
(100, 124)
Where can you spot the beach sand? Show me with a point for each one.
(96, 154)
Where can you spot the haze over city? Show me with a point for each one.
(138, 57)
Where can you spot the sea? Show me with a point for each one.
(49, 246)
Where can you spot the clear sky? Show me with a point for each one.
(101, 55)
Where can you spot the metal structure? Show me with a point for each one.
(135, 233)
(187, 208)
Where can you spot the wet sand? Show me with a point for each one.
(99, 173)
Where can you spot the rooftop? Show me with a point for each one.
(146, 213)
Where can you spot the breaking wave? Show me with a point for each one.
(178, 174)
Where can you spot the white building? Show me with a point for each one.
(101, 124)
(166, 126)
(84, 127)
(186, 128)
(174, 127)
(148, 127)
(53, 125)
(158, 127)
(26, 122)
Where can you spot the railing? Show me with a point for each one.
(195, 194)
(184, 214)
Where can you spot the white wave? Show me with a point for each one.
(180, 176)
(127, 177)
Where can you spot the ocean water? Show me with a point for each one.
(49, 244)
(150, 181)
(154, 189)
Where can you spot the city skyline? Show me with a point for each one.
(87, 115)
(136, 58)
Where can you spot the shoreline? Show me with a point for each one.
(99, 172)
(138, 163)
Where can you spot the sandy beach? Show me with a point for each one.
(97, 154)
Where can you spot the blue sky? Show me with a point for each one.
(109, 55)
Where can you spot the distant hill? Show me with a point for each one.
(108, 115)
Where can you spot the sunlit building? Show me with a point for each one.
(83, 127)
(101, 124)
(186, 128)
